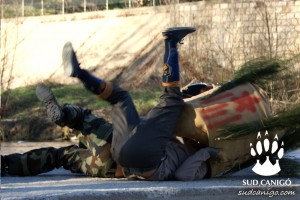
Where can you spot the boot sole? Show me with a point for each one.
(175, 29)
(67, 57)
(45, 95)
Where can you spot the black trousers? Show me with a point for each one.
(141, 143)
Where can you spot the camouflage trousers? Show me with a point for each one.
(92, 156)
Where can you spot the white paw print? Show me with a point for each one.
(267, 168)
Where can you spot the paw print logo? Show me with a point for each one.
(265, 148)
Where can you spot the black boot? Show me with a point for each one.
(54, 110)
(66, 115)
(70, 62)
(72, 69)
(173, 36)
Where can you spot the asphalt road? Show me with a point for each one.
(62, 184)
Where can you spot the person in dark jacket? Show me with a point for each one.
(147, 147)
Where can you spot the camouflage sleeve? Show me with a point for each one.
(92, 157)
(95, 138)
(36, 161)
(87, 123)
(93, 161)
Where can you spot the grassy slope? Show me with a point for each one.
(24, 107)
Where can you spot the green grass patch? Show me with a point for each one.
(22, 102)
(19, 102)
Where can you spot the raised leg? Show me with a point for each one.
(74, 116)
(142, 144)
(124, 115)
(173, 36)
(147, 146)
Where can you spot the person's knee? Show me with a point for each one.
(118, 95)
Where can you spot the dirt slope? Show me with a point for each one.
(106, 45)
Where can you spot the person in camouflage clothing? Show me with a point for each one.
(147, 147)
(144, 147)
(91, 157)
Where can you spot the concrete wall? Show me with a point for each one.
(231, 33)
(108, 42)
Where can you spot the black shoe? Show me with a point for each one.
(4, 166)
(70, 62)
(177, 33)
(54, 110)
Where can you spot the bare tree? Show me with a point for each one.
(7, 64)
